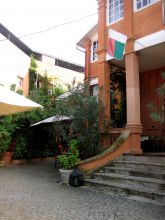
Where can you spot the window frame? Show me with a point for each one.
(94, 56)
(20, 81)
(94, 87)
(108, 13)
(143, 7)
(94, 90)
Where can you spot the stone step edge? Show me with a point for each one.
(128, 177)
(133, 170)
(144, 200)
(142, 157)
(137, 162)
(129, 169)
(124, 186)
(138, 198)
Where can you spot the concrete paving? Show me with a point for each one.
(33, 192)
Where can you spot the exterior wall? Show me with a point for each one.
(94, 69)
(136, 25)
(16, 63)
(148, 20)
(139, 23)
(91, 69)
(58, 75)
(13, 63)
(26, 84)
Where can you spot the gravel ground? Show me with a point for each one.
(33, 191)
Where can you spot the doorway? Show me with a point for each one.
(118, 99)
(153, 137)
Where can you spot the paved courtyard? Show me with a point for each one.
(33, 192)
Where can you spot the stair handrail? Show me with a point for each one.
(118, 142)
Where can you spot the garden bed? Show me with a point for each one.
(33, 160)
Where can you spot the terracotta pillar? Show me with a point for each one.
(129, 23)
(103, 71)
(133, 102)
(103, 66)
(104, 88)
(102, 27)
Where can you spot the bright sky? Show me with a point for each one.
(28, 16)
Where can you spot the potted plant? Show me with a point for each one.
(69, 160)
(5, 139)
(6, 131)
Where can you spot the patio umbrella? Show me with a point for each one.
(56, 118)
(11, 102)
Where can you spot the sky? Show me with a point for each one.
(28, 16)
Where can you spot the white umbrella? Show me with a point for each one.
(56, 118)
(11, 102)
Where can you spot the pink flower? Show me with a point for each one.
(59, 146)
(65, 152)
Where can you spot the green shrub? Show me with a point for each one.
(6, 130)
(20, 150)
(85, 110)
(70, 159)
(5, 139)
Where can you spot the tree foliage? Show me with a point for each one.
(84, 110)
(32, 74)
(41, 140)
(30, 142)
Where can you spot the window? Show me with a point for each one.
(115, 10)
(143, 3)
(94, 90)
(94, 87)
(38, 84)
(19, 81)
(93, 50)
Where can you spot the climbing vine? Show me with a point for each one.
(32, 74)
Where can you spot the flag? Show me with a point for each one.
(116, 45)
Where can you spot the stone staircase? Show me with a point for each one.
(135, 177)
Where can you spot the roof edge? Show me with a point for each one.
(88, 35)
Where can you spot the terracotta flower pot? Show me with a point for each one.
(7, 157)
(19, 162)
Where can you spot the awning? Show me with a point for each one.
(56, 118)
(11, 102)
(64, 96)
(67, 94)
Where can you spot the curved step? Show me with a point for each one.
(135, 172)
(120, 188)
(132, 180)
(148, 166)
(144, 158)
(120, 146)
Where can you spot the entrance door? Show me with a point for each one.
(153, 131)
(118, 99)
